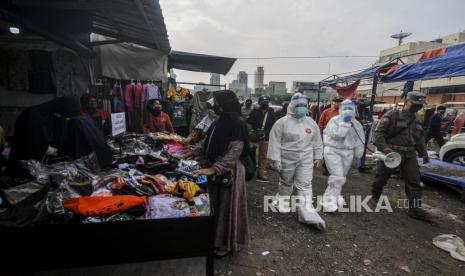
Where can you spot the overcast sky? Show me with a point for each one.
(264, 28)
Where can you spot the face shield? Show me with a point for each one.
(347, 109)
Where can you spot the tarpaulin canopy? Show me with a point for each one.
(127, 61)
(200, 63)
(434, 64)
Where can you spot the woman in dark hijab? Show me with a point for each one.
(226, 140)
(42, 128)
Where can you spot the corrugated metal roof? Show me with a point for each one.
(136, 21)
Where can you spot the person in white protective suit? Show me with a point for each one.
(343, 138)
(295, 147)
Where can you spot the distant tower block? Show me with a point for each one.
(400, 36)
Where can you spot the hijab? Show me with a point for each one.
(228, 128)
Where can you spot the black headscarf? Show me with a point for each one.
(42, 125)
(229, 126)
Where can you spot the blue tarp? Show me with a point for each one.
(444, 172)
(451, 64)
(200, 63)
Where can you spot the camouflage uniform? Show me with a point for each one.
(406, 142)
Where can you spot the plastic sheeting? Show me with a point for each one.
(200, 63)
(124, 61)
(444, 172)
(451, 64)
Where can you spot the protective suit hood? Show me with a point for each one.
(298, 98)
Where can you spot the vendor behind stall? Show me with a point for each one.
(156, 120)
(99, 116)
(55, 131)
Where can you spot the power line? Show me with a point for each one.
(306, 74)
(308, 57)
(290, 74)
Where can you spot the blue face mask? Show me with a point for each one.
(301, 111)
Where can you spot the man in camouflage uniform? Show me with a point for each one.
(402, 132)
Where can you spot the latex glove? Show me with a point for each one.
(358, 163)
(52, 151)
(317, 163)
(387, 151)
(274, 165)
(425, 159)
(347, 118)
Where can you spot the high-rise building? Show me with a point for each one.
(215, 79)
(243, 78)
(240, 86)
(259, 79)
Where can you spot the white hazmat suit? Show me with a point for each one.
(295, 145)
(343, 138)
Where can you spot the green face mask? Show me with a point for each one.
(301, 111)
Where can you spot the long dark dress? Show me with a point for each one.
(226, 140)
(229, 202)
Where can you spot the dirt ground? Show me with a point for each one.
(354, 243)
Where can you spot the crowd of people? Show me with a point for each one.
(293, 142)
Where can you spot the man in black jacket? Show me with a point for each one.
(435, 126)
(262, 120)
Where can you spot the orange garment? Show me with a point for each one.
(346, 91)
(100, 206)
(432, 53)
(392, 69)
(327, 115)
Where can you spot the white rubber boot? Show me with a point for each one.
(332, 198)
(282, 203)
(306, 213)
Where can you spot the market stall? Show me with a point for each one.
(148, 207)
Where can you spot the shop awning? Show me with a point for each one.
(200, 63)
(440, 63)
(69, 22)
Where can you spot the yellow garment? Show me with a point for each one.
(187, 189)
(178, 94)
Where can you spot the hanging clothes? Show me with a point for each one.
(199, 107)
(135, 105)
(178, 94)
(117, 100)
(152, 92)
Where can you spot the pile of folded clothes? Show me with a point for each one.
(150, 180)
